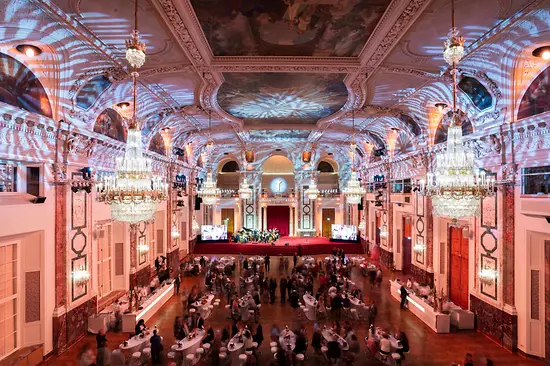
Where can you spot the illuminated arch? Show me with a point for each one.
(90, 92)
(111, 124)
(21, 88)
(536, 99)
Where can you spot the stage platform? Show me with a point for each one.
(310, 246)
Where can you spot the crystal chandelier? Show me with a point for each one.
(384, 231)
(353, 191)
(80, 276)
(209, 193)
(175, 232)
(245, 192)
(456, 187)
(312, 192)
(133, 192)
(135, 49)
(453, 48)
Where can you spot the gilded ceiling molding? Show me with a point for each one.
(285, 68)
(408, 71)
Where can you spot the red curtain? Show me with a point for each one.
(278, 217)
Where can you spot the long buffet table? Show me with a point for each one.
(439, 322)
(149, 308)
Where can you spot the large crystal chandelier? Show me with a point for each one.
(245, 192)
(312, 192)
(135, 49)
(133, 192)
(456, 187)
(353, 191)
(209, 193)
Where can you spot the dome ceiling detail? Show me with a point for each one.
(282, 98)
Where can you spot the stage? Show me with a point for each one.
(310, 246)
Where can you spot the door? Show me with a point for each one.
(458, 268)
(228, 219)
(407, 244)
(378, 223)
(329, 215)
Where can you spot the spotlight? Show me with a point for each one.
(543, 52)
(395, 130)
(87, 173)
(29, 50)
(441, 106)
(123, 105)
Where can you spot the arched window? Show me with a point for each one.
(91, 91)
(230, 167)
(21, 88)
(110, 123)
(478, 94)
(441, 132)
(325, 167)
(157, 145)
(536, 99)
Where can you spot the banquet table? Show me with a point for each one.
(204, 301)
(331, 337)
(136, 343)
(394, 343)
(235, 347)
(311, 306)
(287, 340)
(189, 346)
(330, 258)
(243, 308)
(256, 258)
(198, 259)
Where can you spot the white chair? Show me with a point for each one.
(324, 349)
(206, 347)
(192, 310)
(242, 358)
(118, 358)
(136, 359)
(274, 349)
(227, 306)
(146, 355)
(190, 359)
(174, 347)
(255, 345)
(353, 313)
(199, 352)
(210, 307)
(223, 349)
(273, 344)
(300, 358)
(222, 355)
(248, 353)
(172, 356)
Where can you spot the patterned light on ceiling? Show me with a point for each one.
(353, 191)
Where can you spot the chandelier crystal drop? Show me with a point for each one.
(312, 192)
(209, 193)
(453, 47)
(353, 191)
(245, 192)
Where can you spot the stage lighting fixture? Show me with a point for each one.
(29, 50)
(87, 173)
(441, 106)
(543, 52)
(123, 105)
(74, 189)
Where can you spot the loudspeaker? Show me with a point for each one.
(360, 205)
(38, 199)
(198, 202)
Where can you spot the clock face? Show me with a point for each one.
(278, 186)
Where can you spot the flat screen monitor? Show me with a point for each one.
(344, 232)
(213, 232)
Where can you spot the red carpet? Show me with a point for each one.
(310, 246)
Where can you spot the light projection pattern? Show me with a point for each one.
(278, 135)
(157, 145)
(110, 123)
(536, 99)
(91, 91)
(281, 98)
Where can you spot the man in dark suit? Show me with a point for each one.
(199, 323)
(156, 348)
(267, 261)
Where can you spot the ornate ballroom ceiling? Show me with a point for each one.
(274, 73)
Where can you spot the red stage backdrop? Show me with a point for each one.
(278, 217)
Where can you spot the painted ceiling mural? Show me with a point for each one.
(111, 124)
(88, 94)
(478, 94)
(288, 27)
(282, 98)
(278, 135)
(21, 88)
(157, 144)
(536, 99)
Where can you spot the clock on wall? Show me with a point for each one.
(278, 185)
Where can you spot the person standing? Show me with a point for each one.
(403, 293)
(282, 289)
(177, 283)
(156, 348)
(295, 259)
(267, 261)
(372, 314)
(272, 288)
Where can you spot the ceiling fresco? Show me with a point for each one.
(282, 98)
(288, 28)
(278, 135)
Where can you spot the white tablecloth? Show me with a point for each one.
(287, 338)
(187, 346)
(327, 334)
(393, 341)
(311, 306)
(235, 348)
(136, 344)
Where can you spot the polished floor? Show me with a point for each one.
(427, 348)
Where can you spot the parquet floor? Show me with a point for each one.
(427, 347)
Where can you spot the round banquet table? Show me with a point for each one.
(187, 346)
(256, 258)
(235, 348)
(344, 346)
(287, 343)
(394, 343)
(311, 306)
(135, 344)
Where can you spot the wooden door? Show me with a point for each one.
(329, 214)
(228, 216)
(458, 268)
(407, 245)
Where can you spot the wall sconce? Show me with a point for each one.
(419, 247)
(488, 276)
(143, 248)
(80, 276)
(249, 156)
(175, 232)
(543, 52)
(306, 156)
(384, 231)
